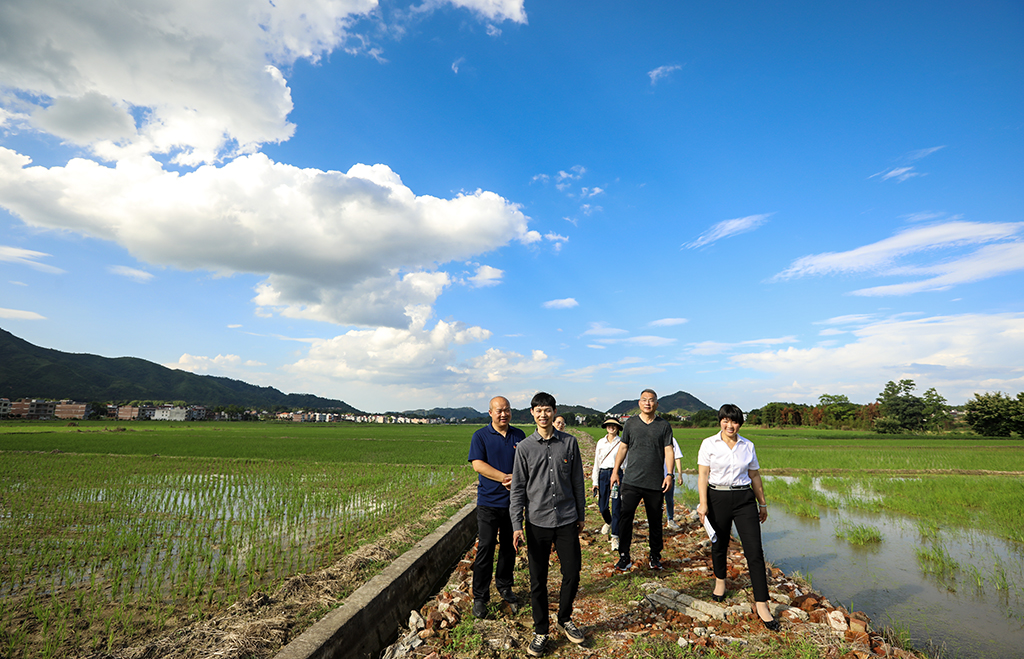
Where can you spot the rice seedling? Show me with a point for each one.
(96, 530)
(858, 534)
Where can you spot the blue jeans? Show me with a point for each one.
(604, 490)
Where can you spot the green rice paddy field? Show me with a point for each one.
(108, 530)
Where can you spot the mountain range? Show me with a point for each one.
(28, 371)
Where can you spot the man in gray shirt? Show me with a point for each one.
(547, 486)
(648, 439)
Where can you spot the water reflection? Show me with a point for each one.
(959, 612)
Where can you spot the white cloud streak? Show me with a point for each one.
(134, 274)
(17, 314)
(727, 229)
(880, 257)
(27, 257)
(662, 72)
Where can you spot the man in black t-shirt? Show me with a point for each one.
(648, 440)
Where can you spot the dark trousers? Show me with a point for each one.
(631, 497)
(538, 546)
(492, 524)
(740, 506)
(604, 498)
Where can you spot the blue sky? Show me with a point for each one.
(409, 205)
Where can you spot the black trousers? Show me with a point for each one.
(740, 506)
(538, 546)
(492, 524)
(631, 498)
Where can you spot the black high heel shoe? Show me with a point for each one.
(718, 598)
(771, 625)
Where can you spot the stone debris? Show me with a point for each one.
(685, 617)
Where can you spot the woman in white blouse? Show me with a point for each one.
(600, 477)
(730, 489)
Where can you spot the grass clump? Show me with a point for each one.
(858, 534)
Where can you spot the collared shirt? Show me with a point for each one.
(499, 452)
(604, 456)
(728, 466)
(547, 482)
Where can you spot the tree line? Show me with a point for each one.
(898, 410)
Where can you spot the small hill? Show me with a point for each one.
(677, 403)
(448, 413)
(28, 371)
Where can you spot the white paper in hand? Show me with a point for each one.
(710, 530)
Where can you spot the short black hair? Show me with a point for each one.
(542, 399)
(731, 412)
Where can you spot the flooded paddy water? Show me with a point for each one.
(952, 592)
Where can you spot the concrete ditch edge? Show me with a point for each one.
(371, 616)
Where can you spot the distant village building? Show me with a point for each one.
(67, 409)
(170, 414)
(33, 409)
(5, 408)
(131, 413)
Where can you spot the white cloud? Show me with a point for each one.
(957, 354)
(494, 10)
(194, 78)
(487, 276)
(134, 274)
(457, 63)
(667, 322)
(906, 171)
(989, 261)
(728, 228)
(564, 303)
(416, 359)
(17, 314)
(202, 364)
(901, 174)
(646, 341)
(197, 79)
(662, 72)
(716, 347)
(351, 248)
(27, 257)
(601, 328)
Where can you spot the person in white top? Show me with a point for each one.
(600, 477)
(730, 489)
(670, 506)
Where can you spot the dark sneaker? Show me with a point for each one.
(624, 564)
(536, 647)
(655, 564)
(508, 596)
(479, 609)
(571, 631)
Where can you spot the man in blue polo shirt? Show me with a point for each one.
(492, 452)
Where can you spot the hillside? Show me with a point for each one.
(677, 403)
(448, 413)
(28, 371)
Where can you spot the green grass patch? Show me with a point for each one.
(858, 534)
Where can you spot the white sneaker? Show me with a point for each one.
(615, 543)
(672, 525)
(604, 529)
